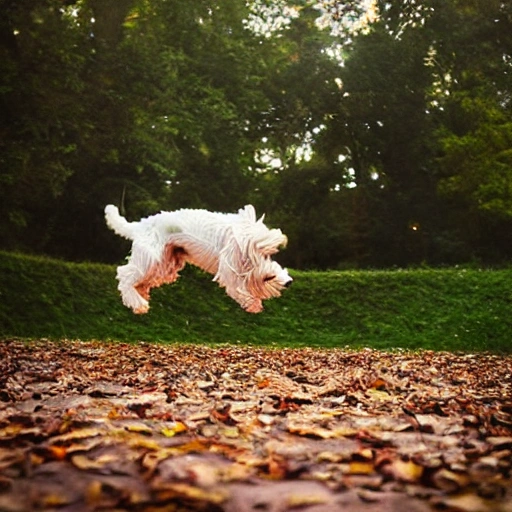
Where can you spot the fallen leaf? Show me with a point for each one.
(169, 491)
(140, 428)
(470, 502)
(190, 427)
(84, 462)
(299, 500)
(361, 468)
(172, 430)
(405, 471)
(450, 481)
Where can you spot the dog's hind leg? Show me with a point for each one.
(143, 273)
(131, 275)
(128, 276)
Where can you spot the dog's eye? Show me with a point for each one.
(268, 278)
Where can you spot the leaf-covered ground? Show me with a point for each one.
(111, 426)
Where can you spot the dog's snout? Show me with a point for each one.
(288, 283)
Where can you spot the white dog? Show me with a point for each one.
(235, 248)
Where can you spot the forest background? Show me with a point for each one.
(373, 133)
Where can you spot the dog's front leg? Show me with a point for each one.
(246, 301)
(254, 306)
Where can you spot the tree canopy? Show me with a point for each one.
(373, 133)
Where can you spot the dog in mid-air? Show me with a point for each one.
(235, 247)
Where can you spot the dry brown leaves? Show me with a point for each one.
(110, 426)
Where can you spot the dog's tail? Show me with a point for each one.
(117, 222)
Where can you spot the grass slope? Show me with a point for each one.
(450, 309)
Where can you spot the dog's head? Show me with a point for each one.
(246, 268)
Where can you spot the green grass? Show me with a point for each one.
(448, 309)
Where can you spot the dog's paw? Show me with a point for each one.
(254, 307)
(132, 299)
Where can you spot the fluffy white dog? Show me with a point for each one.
(236, 248)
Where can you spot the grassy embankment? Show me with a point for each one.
(449, 309)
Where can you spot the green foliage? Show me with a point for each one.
(451, 309)
(39, 69)
(477, 164)
(162, 104)
(379, 127)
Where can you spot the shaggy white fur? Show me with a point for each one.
(234, 247)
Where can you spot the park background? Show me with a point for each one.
(378, 136)
(374, 134)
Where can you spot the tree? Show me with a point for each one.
(161, 99)
(40, 68)
(474, 114)
(387, 125)
(402, 90)
(378, 128)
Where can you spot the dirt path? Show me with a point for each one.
(108, 426)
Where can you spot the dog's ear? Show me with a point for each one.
(248, 213)
(271, 243)
(232, 260)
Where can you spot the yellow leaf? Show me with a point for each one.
(35, 460)
(54, 500)
(180, 490)
(305, 500)
(470, 502)
(310, 430)
(344, 432)
(366, 453)
(407, 471)
(192, 446)
(450, 481)
(376, 394)
(143, 442)
(236, 472)
(140, 428)
(11, 430)
(177, 428)
(113, 414)
(93, 492)
(84, 462)
(360, 468)
(79, 433)
(230, 432)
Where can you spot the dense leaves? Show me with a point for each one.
(147, 427)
